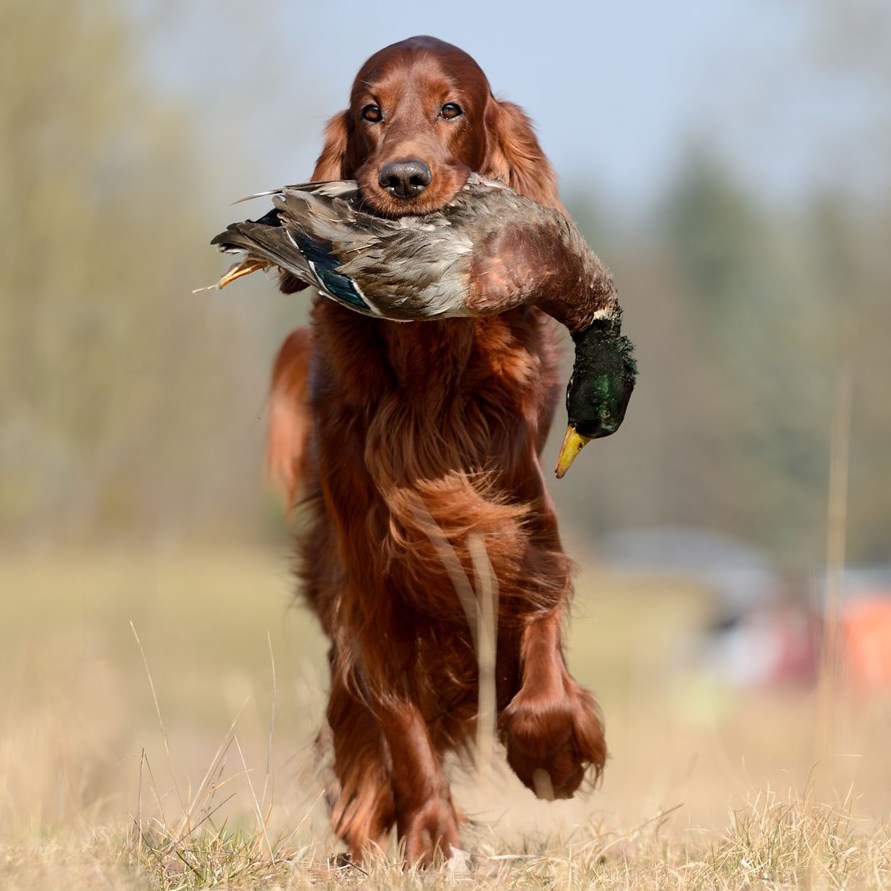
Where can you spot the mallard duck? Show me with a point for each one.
(488, 251)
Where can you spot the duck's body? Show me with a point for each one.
(406, 268)
(490, 250)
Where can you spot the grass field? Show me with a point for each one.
(157, 713)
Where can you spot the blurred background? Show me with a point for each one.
(731, 163)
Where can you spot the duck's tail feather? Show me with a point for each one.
(289, 238)
(266, 239)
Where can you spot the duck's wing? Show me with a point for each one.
(418, 267)
(406, 268)
(311, 229)
(418, 271)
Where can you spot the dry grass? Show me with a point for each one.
(210, 782)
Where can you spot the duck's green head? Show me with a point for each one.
(603, 377)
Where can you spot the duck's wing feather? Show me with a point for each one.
(341, 188)
(308, 233)
(403, 269)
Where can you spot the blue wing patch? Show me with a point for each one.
(324, 264)
(340, 287)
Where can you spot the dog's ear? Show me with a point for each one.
(332, 163)
(515, 157)
(290, 416)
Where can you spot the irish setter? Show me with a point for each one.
(415, 449)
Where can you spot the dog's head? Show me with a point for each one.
(421, 118)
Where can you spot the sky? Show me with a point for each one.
(620, 92)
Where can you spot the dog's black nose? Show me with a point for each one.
(405, 179)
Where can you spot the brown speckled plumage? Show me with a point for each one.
(489, 250)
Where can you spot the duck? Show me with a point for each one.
(488, 251)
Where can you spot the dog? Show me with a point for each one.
(414, 451)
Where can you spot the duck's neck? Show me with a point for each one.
(547, 264)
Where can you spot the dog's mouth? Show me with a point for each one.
(409, 188)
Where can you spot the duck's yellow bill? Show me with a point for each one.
(573, 443)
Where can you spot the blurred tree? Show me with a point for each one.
(745, 304)
(131, 407)
(113, 379)
(767, 331)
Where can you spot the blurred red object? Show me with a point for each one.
(866, 642)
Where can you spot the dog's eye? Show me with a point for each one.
(372, 113)
(451, 110)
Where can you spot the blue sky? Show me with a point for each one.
(619, 91)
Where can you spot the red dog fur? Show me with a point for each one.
(406, 441)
